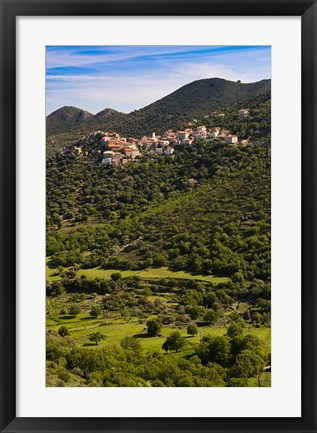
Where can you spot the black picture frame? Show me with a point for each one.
(307, 10)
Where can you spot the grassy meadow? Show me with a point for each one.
(146, 274)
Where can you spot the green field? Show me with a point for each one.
(150, 274)
(115, 328)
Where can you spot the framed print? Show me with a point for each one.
(158, 216)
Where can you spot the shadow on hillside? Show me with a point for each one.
(50, 264)
(140, 336)
(187, 357)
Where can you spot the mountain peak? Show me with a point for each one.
(70, 113)
(107, 112)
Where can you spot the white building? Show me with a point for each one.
(200, 133)
(215, 132)
(164, 143)
(201, 129)
(201, 136)
(106, 161)
(231, 139)
(105, 139)
(188, 140)
(181, 135)
(169, 150)
(159, 150)
(243, 112)
(135, 153)
(108, 154)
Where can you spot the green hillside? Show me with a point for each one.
(63, 127)
(150, 214)
(201, 97)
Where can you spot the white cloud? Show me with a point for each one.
(131, 89)
(56, 58)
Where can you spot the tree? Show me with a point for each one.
(96, 337)
(247, 315)
(210, 299)
(211, 316)
(238, 382)
(192, 329)
(256, 345)
(194, 311)
(247, 364)
(153, 327)
(63, 331)
(130, 343)
(238, 277)
(215, 349)
(95, 312)
(159, 260)
(74, 310)
(57, 288)
(234, 330)
(116, 276)
(174, 342)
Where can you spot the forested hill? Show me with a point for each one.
(193, 100)
(203, 96)
(66, 118)
(218, 223)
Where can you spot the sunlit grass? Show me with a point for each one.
(151, 274)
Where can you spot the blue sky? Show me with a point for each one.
(127, 78)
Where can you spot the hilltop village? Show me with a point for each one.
(110, 148)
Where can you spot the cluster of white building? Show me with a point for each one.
(202, 133)
(119, 150)
(116, 150)
(157, 145)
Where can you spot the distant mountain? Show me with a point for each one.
(108, 116)
(192, 100)
(65, 118)
(107, 112)
(202, 96)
